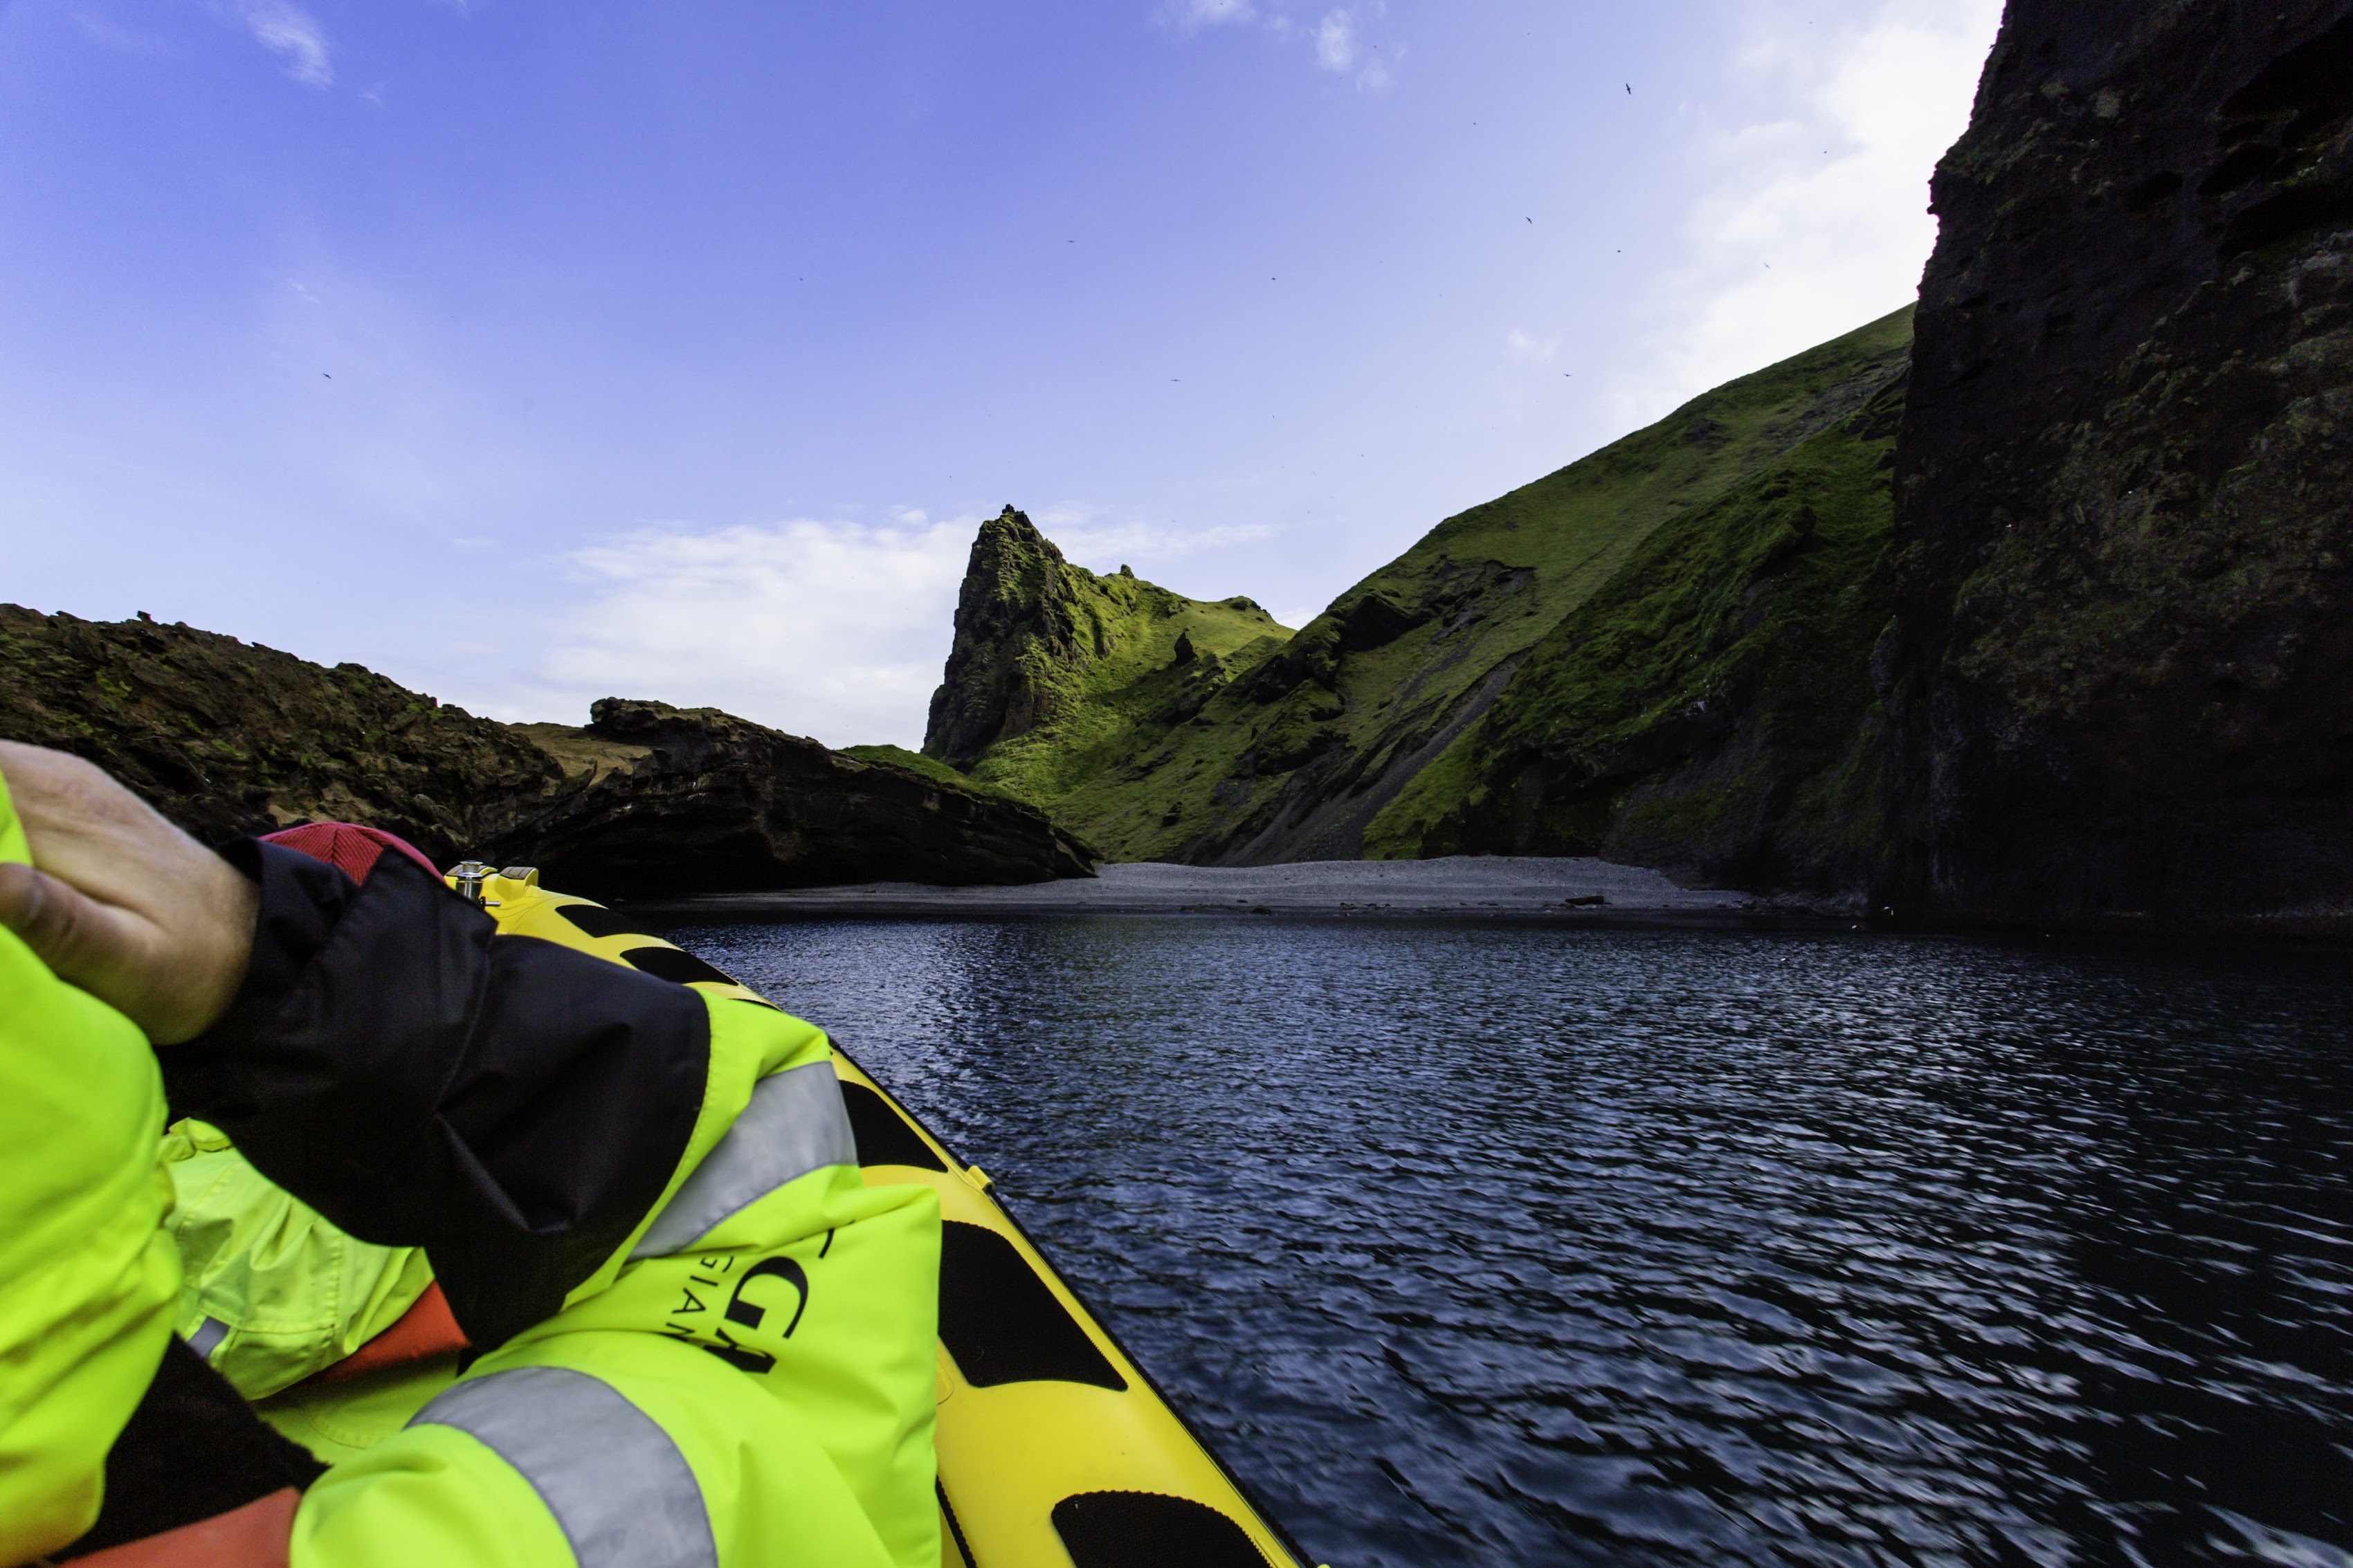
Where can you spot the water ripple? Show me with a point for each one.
(1475, 1245)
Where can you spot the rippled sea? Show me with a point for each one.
(1522, 1246)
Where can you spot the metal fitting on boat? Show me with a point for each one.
(468, 876)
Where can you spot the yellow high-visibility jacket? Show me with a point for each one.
(752, 1381)
(724, 1358)
(88, 1274)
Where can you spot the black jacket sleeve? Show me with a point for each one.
(512, 1106)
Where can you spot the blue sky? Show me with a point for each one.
(533, 352)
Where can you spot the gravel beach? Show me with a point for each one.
(1459, 886)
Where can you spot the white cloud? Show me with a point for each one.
(1521, 345)
(1814, 218)
(113, 32)
(1084, 537)
(1336, 43)
(829, 629)
(291, 33)
(826, 628)
(1338, 39)
(1340, 48)
(1208, 12)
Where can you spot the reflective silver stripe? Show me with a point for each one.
(207, 1338)
(794, 1124)
(617, 1484)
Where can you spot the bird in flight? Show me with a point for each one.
(1629, 90)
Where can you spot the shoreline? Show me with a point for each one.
(1569, 891)
(1576, 893)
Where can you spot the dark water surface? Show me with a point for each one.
(1542, 1247)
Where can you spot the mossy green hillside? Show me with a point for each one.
(930, 768)
(1053, 662)
(1287, 749)
(1146, 655)
(1709, 709)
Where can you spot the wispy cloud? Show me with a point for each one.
(1208, 12)
(833, 628)
(1336, 43)
(116, 32)
(1085, 535)
(1813, 220)
(1339, 39)
(1343, 48)
(836, 629)
(288, 31)
(1518, 344)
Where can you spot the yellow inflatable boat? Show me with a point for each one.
(1056, 1450)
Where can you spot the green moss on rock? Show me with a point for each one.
(1270, 746)
(1708, 708)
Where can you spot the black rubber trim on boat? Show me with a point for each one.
(675, 963)
(599, 921)
(1240, 1483)
(955, 1161)
(955, 1525)
(884, 1138)
(1250, 1494)
(1001, 1322)
(1150, 1530)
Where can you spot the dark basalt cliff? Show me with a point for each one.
(227, 738)
(670, 800)
(2120, 680)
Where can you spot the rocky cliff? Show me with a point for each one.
(2120, 678)
(2047, 617)
(1054, 665)
(668, 800)
(1041, 643)
(1354, 736)
(227, 738)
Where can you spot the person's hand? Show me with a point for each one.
(119, 902)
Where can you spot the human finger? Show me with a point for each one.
(159, 926)
(88, 830)
(83, 941)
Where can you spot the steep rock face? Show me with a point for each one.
(2121, 678)
(1017, 641)
(1054, 667)
(227, 738)
(1039, 643)
(668, 800)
